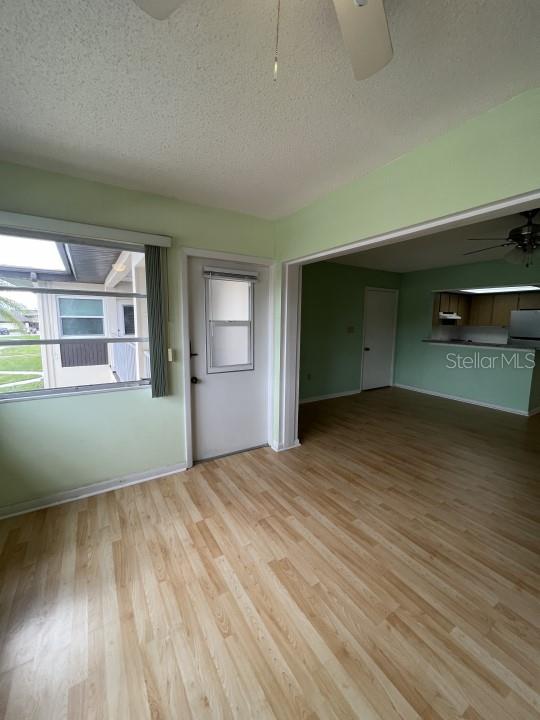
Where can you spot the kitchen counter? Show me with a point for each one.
(467, 343)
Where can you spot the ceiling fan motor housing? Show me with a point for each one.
(526, 236)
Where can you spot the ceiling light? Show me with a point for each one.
(119, 267)
(515, 288)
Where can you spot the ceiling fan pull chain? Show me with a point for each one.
(277, 41)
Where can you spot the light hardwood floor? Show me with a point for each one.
(388, 568)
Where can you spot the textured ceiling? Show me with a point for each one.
(187, 107)
(440, 249)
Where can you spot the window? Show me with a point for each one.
(80, 316)
(229, 323)
(65, 311)
(128, 312)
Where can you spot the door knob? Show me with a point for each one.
(195, 380)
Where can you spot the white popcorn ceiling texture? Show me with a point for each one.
(187, 107)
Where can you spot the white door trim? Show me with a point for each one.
(290, 329)
(395, 291)
(185, 254)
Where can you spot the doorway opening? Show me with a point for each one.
(323, 337)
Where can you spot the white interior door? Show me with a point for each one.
(380, 314)
(229, 336)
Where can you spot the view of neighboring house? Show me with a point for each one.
(71, 309)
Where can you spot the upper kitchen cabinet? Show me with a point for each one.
(502, 307)
(529, 301)
(481, 310)
(455, 303)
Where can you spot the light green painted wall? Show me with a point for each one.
(332, 302)
(424, 366)
(493, 156)
(50, 445)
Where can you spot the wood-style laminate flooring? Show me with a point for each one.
(388, 568)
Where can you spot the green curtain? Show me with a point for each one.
(156, 292)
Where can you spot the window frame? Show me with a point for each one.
(60, 317)
(71, 390)
(212, 369)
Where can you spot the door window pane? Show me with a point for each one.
(229, 300)
(129, 320)
(229, 325)
(230, 345)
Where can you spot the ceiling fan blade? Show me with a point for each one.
(365, 32)
(487, 239)
(159, 9)
(491, 247)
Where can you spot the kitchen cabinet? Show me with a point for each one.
(502, 307)
(484, 309)
(529, 301)
(451, 303)
(481, 310)
(464, 309)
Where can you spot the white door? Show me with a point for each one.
(380, 314)
(229, 336)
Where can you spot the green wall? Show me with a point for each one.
(333, 304)
(330, 357)
(493, 156)
(49, 445)
(423, 366)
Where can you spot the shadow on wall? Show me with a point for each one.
(332, 319)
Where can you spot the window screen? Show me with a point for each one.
(229, 325)
(65, 308)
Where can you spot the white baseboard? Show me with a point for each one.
(329, 397)
(456, 398)
(88, 490)
(276, 447)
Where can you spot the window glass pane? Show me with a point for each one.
(62, 310)
(80, 307)
(230, 345)
(82, 326)
(229, 300)
(129, 320)
(22, 369)
(26, 368)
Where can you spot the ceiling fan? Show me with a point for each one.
(363, 26)
(525, 239)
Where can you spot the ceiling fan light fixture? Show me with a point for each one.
(515, 256)
(159, 9)
(519, 256)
